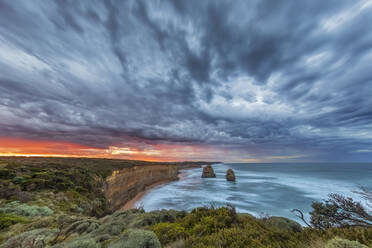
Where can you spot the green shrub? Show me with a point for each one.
(23, 175)
(14, 192)
(43, 175)
(39, 182)
(283, 223)
(85, 242)
(213, 218)
(80, 227)
(5, 173)
(62, 186)
(43, 222)
(25, 210)
(177, 244)
(7, 220)
(149, 219)
(114, 224)
(231, 237)
(344, 243)
(222, 227)
(19, 180)
(37, 238)
(81, 189)
(169, 232)
(136, 238)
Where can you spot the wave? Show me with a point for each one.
(270, 189)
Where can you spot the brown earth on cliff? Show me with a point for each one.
(123, 185)
(108, 184)
(208, 172)
(230, 175)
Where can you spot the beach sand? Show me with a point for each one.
(131, 204)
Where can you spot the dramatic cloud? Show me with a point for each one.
(231, 80)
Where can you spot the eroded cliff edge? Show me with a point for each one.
(123, 185)
(92, 185)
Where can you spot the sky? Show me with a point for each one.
(232, 81)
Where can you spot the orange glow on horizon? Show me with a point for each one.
(42, 148)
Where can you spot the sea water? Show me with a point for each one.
(261, 189)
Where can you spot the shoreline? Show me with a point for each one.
(130, 204)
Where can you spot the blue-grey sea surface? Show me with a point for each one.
(261, 189)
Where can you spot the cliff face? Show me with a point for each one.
(123, 185)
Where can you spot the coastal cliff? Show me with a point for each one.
(94, 186)
(123, 185)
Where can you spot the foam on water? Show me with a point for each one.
(260, 188)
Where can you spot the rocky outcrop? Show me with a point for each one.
(230, 175)
(208, 172)
(123, 185)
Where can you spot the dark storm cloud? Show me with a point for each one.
(264, 78)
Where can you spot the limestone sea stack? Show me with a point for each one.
(230, 175)
(208, 172)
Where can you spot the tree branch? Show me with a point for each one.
(300, 215)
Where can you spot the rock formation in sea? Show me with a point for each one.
(230, 175)
(208, 172)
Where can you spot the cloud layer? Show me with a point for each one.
(261, 79)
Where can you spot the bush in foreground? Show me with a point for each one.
(344, 243)
(37, 238)
(25, 210)
(136, 238)
(7, 220)
(201, 228)
(223, 227)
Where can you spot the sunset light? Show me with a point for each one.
(158, 152)
(185, 123)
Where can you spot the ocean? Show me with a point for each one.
(261, 189)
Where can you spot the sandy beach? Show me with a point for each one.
(131, 203)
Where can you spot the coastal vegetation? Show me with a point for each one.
(60, 203)
(341, 211)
